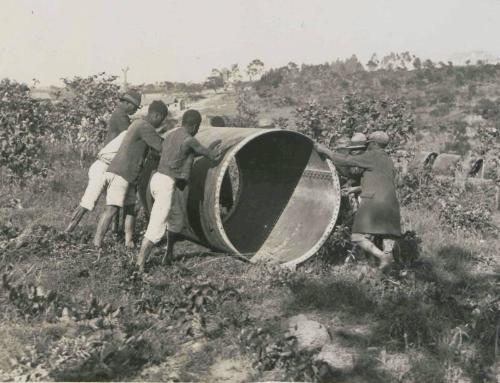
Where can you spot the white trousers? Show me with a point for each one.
(119, 192)
(96, 185)
(162, 188)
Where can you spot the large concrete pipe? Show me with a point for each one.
(423, 160)
(284, 198)
(446, 164)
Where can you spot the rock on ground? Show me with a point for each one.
(309, 333)
(337, 357)
(231, 370)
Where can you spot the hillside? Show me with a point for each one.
(74, 314)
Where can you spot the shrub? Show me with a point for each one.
(22, 123)
(79, 117)
(357, 113)
(488, 109)
(458, 209)
(247, 116)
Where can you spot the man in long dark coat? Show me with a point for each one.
(378, 212)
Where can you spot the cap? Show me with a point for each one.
(358, 140)
(133, 97)
(381, 138)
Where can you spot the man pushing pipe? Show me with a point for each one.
(123, 172)
(117, 125)
(378, 212)
(177, 155)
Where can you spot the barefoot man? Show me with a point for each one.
(97, 180)
(378, 212)
(119, 121)
(177, 155)
(124, 170)
(117, 125)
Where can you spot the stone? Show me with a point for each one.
(309, 333)
(337, 357)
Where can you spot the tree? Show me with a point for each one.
(214, 82)
(417, 63)
(372, 64)
(235, 75)
(428, 64)
(352, 65)
(292, 67)
(255, 68)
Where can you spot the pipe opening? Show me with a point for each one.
(277, 197)
(476, 168)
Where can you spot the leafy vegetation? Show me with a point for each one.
(433, 318)
(23, 121)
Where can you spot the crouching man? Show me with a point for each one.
(124, 170)
(378, 212)
(97, 180)
(177, 155)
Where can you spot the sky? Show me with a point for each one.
(182, 40)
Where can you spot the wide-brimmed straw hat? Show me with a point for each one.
(133, 97)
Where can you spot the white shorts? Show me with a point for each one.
(162, 189)
(119, 192)
(95, 186)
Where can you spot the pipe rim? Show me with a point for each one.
(335, 204)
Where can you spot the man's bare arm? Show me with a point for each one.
(213, 152)
(342, 159)
(151, 138)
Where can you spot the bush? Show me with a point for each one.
(79, 117)
(22, 122)
(247, 116)
(458, 209)
(487, 109)
(357, 113)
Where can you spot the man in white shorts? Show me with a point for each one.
(97, 180)
(124, 170)
(178, 151)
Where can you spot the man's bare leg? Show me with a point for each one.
(368, 246)
(144, 252)
(388, 251)
(116, 222)
(171, 240)
(129, 224)
(103, 225)
(77, 217)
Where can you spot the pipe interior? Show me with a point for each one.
(269, 194)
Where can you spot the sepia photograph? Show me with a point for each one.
(250, 191)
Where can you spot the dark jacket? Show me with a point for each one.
(128, 161)
(378, 211)
(118, 122)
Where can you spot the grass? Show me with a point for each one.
(440, 306)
